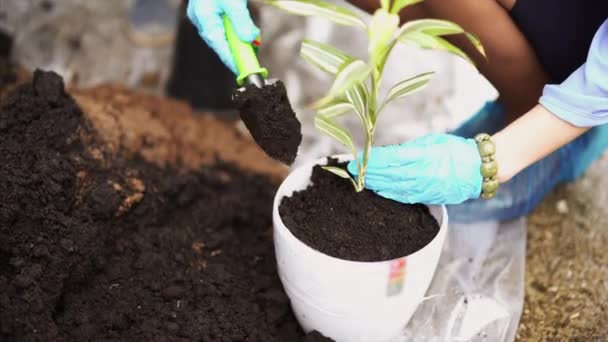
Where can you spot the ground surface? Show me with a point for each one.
(120, 222)
(567, 264)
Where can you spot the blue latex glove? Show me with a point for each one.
(207, 16)
(434, 169)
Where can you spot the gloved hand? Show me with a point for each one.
(519, 196)
(207, 16)
(434, 169)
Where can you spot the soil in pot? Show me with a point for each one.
(97, 243)
(268, 115)
(332, 218)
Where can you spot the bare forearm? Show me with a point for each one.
(530, 138)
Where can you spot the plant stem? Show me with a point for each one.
(363, 170)
(371, 127)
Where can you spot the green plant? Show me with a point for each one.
(355, 88)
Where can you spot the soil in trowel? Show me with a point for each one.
(268, 115)
(98, 245)
(334, 219)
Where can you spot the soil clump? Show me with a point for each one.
(268, 115)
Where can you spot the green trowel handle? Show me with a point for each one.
(245, 58)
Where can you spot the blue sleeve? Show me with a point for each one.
(582, 99)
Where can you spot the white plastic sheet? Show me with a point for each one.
(478, 288)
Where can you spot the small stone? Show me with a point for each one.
(197, 246)
(562, 207)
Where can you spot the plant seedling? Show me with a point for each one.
(356, 84)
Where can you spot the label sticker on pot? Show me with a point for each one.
(396, 277)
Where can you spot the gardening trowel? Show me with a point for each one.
(245, 58)
(263, 104)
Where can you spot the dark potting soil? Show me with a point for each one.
(332, 218)
(268, 115)
(125, 250)
(6, 43)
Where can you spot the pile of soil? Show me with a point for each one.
(332, 218)
(268, 115)
(98, 242)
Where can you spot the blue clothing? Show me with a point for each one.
(582, 99)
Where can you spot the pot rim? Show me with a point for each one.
(281, 228)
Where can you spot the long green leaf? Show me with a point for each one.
(426, 34)
(318, 8)
(408, 86)
(401, 4)
(426, 41)
(340, 173)
(357, 95)
(381, 31)
(438, 27)
(323, 56)
(477, 43)
(331, 128)
(351, 73)
(335, 109)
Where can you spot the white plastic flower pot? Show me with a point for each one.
(348, 300)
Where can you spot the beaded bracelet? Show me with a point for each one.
(489, 166)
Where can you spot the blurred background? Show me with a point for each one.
(150, 45)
